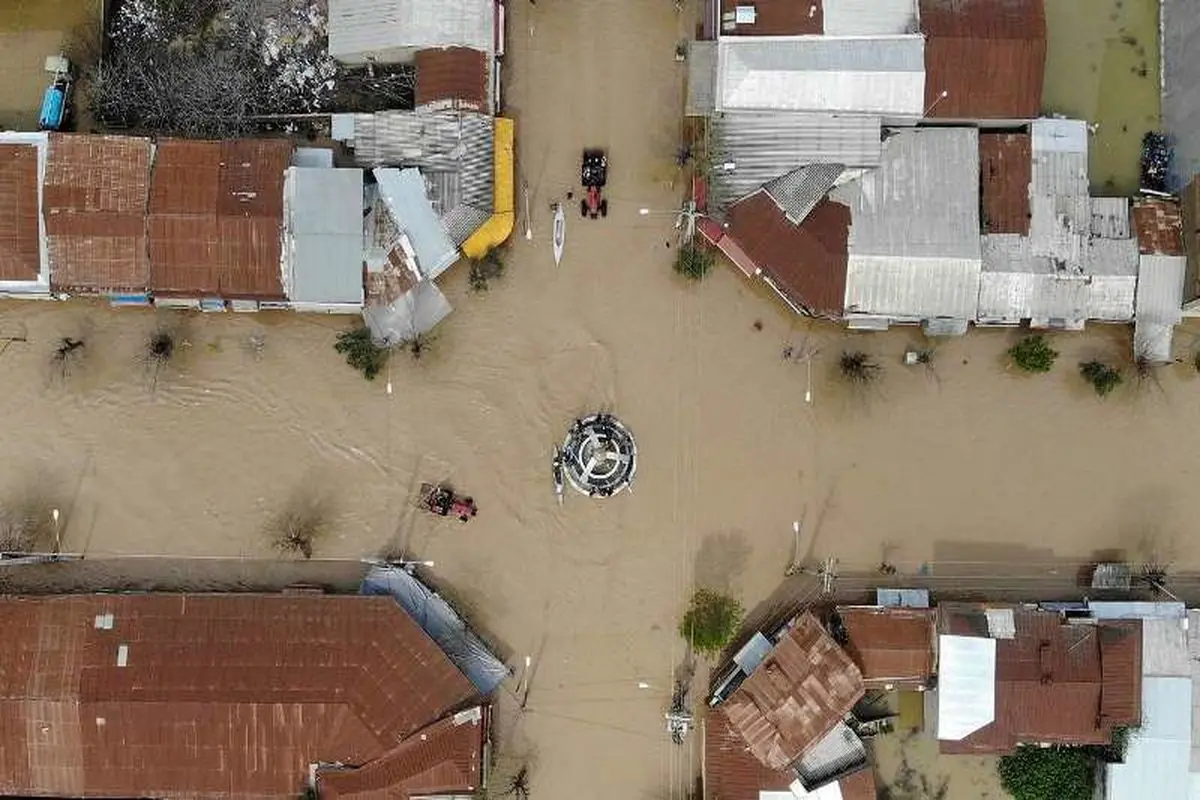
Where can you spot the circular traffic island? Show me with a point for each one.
(599, 456)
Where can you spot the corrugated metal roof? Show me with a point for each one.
(806, 262)
(455, 77)
(731, 771)
(1165, 648)
(1159, 225)
(1159, 306)
(804, 688)
(1193, 637)
(870, 17)
(988, 56)
(1005, 165)
(839, 752)
(891, 646)
(1110, 217)
(20, 217)
(404, 192)
(94, 200)
(750, 149)
(183, 694)
(1016, 285)
(1059, 202)
(798, 192)
(1157, 755)
(388, 31)
(323, 236)
(774, 18)
(966, 685)
(875, 75)
(1180, 26)
(702, 79)
(902, 598)
(216, 214)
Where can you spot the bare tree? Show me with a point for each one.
(303, 522)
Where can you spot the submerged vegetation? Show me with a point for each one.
(1101, 376)
(485, 270)
(858, 368)
(1033, 354)
(361, 352)
(711, 621)
(693, 260)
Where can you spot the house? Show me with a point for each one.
(984, 60)
(24, 264)
(893, 648)
(1162, 271)
(95, 195)
(322, 239)
(181, 696)
(1021, 675)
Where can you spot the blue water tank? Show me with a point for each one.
(54, 103)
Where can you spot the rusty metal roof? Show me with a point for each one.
(216, 211)
(1159, 225)
(796, 696)
(1058, 682)
(989, 56)
(1005, 172)
(456, 76)
(94, 200)
(731, 771)
(777, 17)
(208, 695)
(890, 645)
(807, 262)
(20, 236)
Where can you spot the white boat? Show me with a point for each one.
(557, 468)
(560, 232)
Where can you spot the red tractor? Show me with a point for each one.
(593, 174)
(442, 500)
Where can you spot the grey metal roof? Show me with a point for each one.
(1158, 753)
(1110, 217)
(798, 192)
(750, 149)
(1181, 86)
(914, 245)
(389, 30)
(870, 75)
(1158, 306)
(702, 78)
(418, 310)
(869, 17)
(1060, 209)
(902, 598)
(404, 192)
(323, 240)
(840, 752)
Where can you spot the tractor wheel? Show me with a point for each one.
(583, 208)
(604, 208)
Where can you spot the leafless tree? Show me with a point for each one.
(300, 524)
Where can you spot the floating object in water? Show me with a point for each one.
(599, 456)
(560, 232)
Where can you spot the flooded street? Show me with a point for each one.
(31, 30)
(1102, 65)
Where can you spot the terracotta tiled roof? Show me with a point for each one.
(454, 75)
(989, 56)
(890, 645)
(779, 17)
(20, 236)
(1159, 225)
(807, 261)
(1005, 172)
(1055, 682)
(94, 201)
(796, 696)
(208, 695)
(216, 209)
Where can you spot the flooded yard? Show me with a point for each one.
(1102, 65)
(30, 30)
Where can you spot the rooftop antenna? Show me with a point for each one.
(933, 105)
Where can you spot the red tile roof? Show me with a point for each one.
(94, 200)
(807, 261)
(1055, 682)
(796, 696)
(456, 76)
(891, 646)
(20, 235)
(208, 695)
(1005, 172)
(1159, 225)
(989, 56)
(777, 17)
(216, 210)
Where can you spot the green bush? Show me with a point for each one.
(1101, 376)
(1049, 773)
(361, 352)
(710, 621)
(1032, 354)
(693, 260)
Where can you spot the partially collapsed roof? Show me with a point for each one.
(420, 231)
(389, 31)
(795, 697)
(94, 200)
(216, 212)
(183, 696)
(987, 56)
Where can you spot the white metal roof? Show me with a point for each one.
(1060, 209)
(323, 239)
(1193, 620)
(702, 78)
(404, 192)
(1136, 609)
(1110, 217)
(874, 75)
(966, 685)
(1165, 648)
(1156, 760)
(869, 17)
(387, 30)
(1158, 305)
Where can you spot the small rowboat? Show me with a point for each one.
(560, 232)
